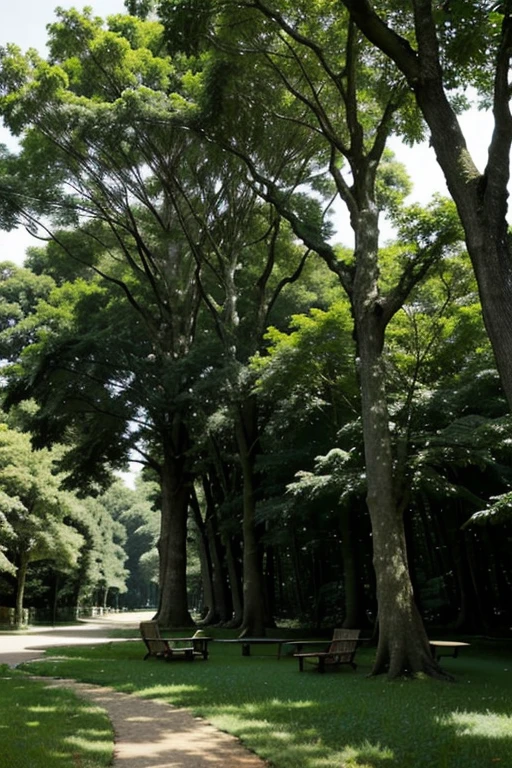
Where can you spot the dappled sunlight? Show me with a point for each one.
(365, 755)
(160, 691)
(489, 725)
(295, 741)
(88, 744)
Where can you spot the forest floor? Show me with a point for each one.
(148, 734)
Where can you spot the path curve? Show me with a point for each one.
(148, 733)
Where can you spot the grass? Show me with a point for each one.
(336, 720)
(49, 728)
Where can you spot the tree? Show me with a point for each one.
(448, 45)
(300, 56)
(101, 150)
(34, 511)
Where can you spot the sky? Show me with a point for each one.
(24, 23)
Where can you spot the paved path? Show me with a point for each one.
(148, 734)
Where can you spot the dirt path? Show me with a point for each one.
(148, 734)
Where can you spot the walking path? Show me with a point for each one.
(148, 734)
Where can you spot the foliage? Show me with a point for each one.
(32, 505)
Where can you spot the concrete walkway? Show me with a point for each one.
(148, 734)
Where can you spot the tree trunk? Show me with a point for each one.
(21, 579)
(235, 585)
(403, 646)
(208, 614)
(220, 586)
(172, 545)
(253, 622)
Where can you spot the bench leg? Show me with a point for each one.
(321, 664)
(301, 664)
(246, 649)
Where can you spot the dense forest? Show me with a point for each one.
(322, 432)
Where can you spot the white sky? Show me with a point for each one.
(24, 22)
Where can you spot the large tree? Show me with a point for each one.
(440, 48)
(344, 102)
(101, 153)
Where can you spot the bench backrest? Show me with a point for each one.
(150, 633)
(344, 644)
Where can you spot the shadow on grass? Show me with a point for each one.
(44, 728)
(310, 720)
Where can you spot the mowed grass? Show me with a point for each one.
(42, 727)
(341, 719)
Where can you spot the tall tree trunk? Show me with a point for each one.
(253, 622)
(354, 603)
(21, 580)
(403, 644)
(234, 584)
(206, 564)
(220, 578)
(172, 545)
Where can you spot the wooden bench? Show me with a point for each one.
(341, 650)
(161, 648)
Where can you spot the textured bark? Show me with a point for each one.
(175, 486)
(253, 622)
(403, 644)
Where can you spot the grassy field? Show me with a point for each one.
(340, 719)
(49, 728)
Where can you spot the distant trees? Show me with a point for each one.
(40, 522)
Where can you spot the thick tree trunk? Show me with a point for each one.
(172, 545)
(403, 644)
(253, 622)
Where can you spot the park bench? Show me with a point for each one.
(341, 650)
(161, 648)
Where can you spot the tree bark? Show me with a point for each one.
(403, 646)
(235, 585)
(206, 564)
(253, 622)
(21, 579)
(220, 580)
(172, 545)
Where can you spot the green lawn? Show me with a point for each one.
(44, 727)
(338, 720)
